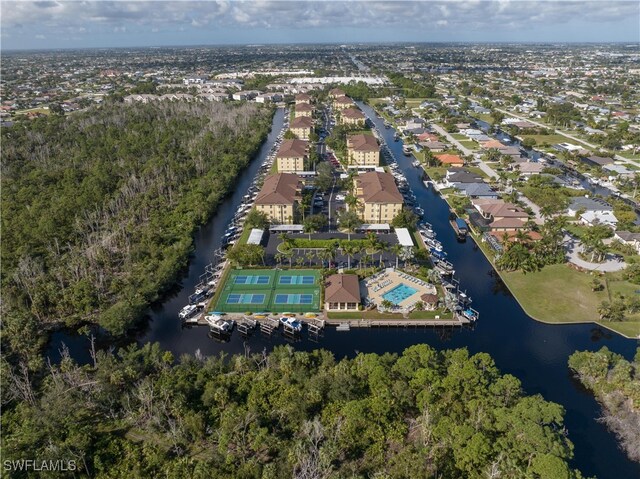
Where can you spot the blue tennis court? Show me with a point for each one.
(252, 279)
(297, 279)
(245, 298)
(293, 299)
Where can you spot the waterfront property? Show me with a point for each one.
(276, 291)
(302, 127)
(292, 156)
(353, 117)
(342, 102)
(279, 197)
(342, 293)
(362, 150)
(380, 199)
(401, 289)
(303, 109)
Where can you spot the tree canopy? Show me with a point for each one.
(137, 413)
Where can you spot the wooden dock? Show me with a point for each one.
(346, 324)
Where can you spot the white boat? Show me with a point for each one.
(291, 323)
(219, 325)
(188, 311)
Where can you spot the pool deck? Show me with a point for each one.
(377, 286)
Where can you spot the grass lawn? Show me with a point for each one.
(483, 117)
(459, 136)
(472, 145)
(44, 111)
(476, 170)
(548, 139)
(560, 294)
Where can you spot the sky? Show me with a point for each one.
(88, 24)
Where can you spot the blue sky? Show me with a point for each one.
(73, 24)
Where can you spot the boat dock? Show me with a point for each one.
(347, 324)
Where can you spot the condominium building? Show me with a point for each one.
(279, 197)
(292, 156)
(302, 127)
(379, 197)
(362, 150)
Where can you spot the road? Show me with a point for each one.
(490, 172)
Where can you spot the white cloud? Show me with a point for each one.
(89, 17)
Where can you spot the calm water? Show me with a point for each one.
(534, 352)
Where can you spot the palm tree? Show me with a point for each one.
(350, 221)
(371, 244)
(331, 251)
(310, 255)
(396, 250)
(349, 249)
(285, 239)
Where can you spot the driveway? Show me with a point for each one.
(573, 246)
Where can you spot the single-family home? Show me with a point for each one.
(583, 204)
(450, 160)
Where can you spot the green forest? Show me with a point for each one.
(140, 413)
(615, 382)
(100, 207)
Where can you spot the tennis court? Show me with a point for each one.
(288, 279)
(275, 291)
(293, 299)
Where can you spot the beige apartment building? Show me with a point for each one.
(303, 98)
(352, 116)
(379, 197)
(363, 150)
(279, 197)
(336, 93)
(302, 127)
(303, 109)
(292, 156)
(342, 102)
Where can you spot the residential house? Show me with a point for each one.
(476, 190)
(583, 204)
(362, 150)
(302, 127)
(530, 168)
(593, 218)
(597, 160)
(503, 216)
(342, 292)
(434, 146)
(303, 109)
(450, 160)
(292, 156)
(379, 197)
(455, 176)
(352, 116)
(279, 197)
(628, 238)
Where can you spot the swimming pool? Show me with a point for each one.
(399, 293)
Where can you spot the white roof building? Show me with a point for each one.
(404, 237)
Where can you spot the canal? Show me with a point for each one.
(534, 352)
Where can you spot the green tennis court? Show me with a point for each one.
(270, 290)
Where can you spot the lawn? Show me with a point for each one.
(560, 294)
(470, 144)
(548, 139)
(547, 297)
(459, 136)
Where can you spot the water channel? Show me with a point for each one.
(534, 352)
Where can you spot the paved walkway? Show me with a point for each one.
(490, 172)
(573, 246)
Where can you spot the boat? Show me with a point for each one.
(406, 150)
(291, 324)
(198, 296)
(310, 315)
(188, 311)
(470, 314)
(460, 227)
(416, 164)
(219, 325)
(396, 137)
(387, 125)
